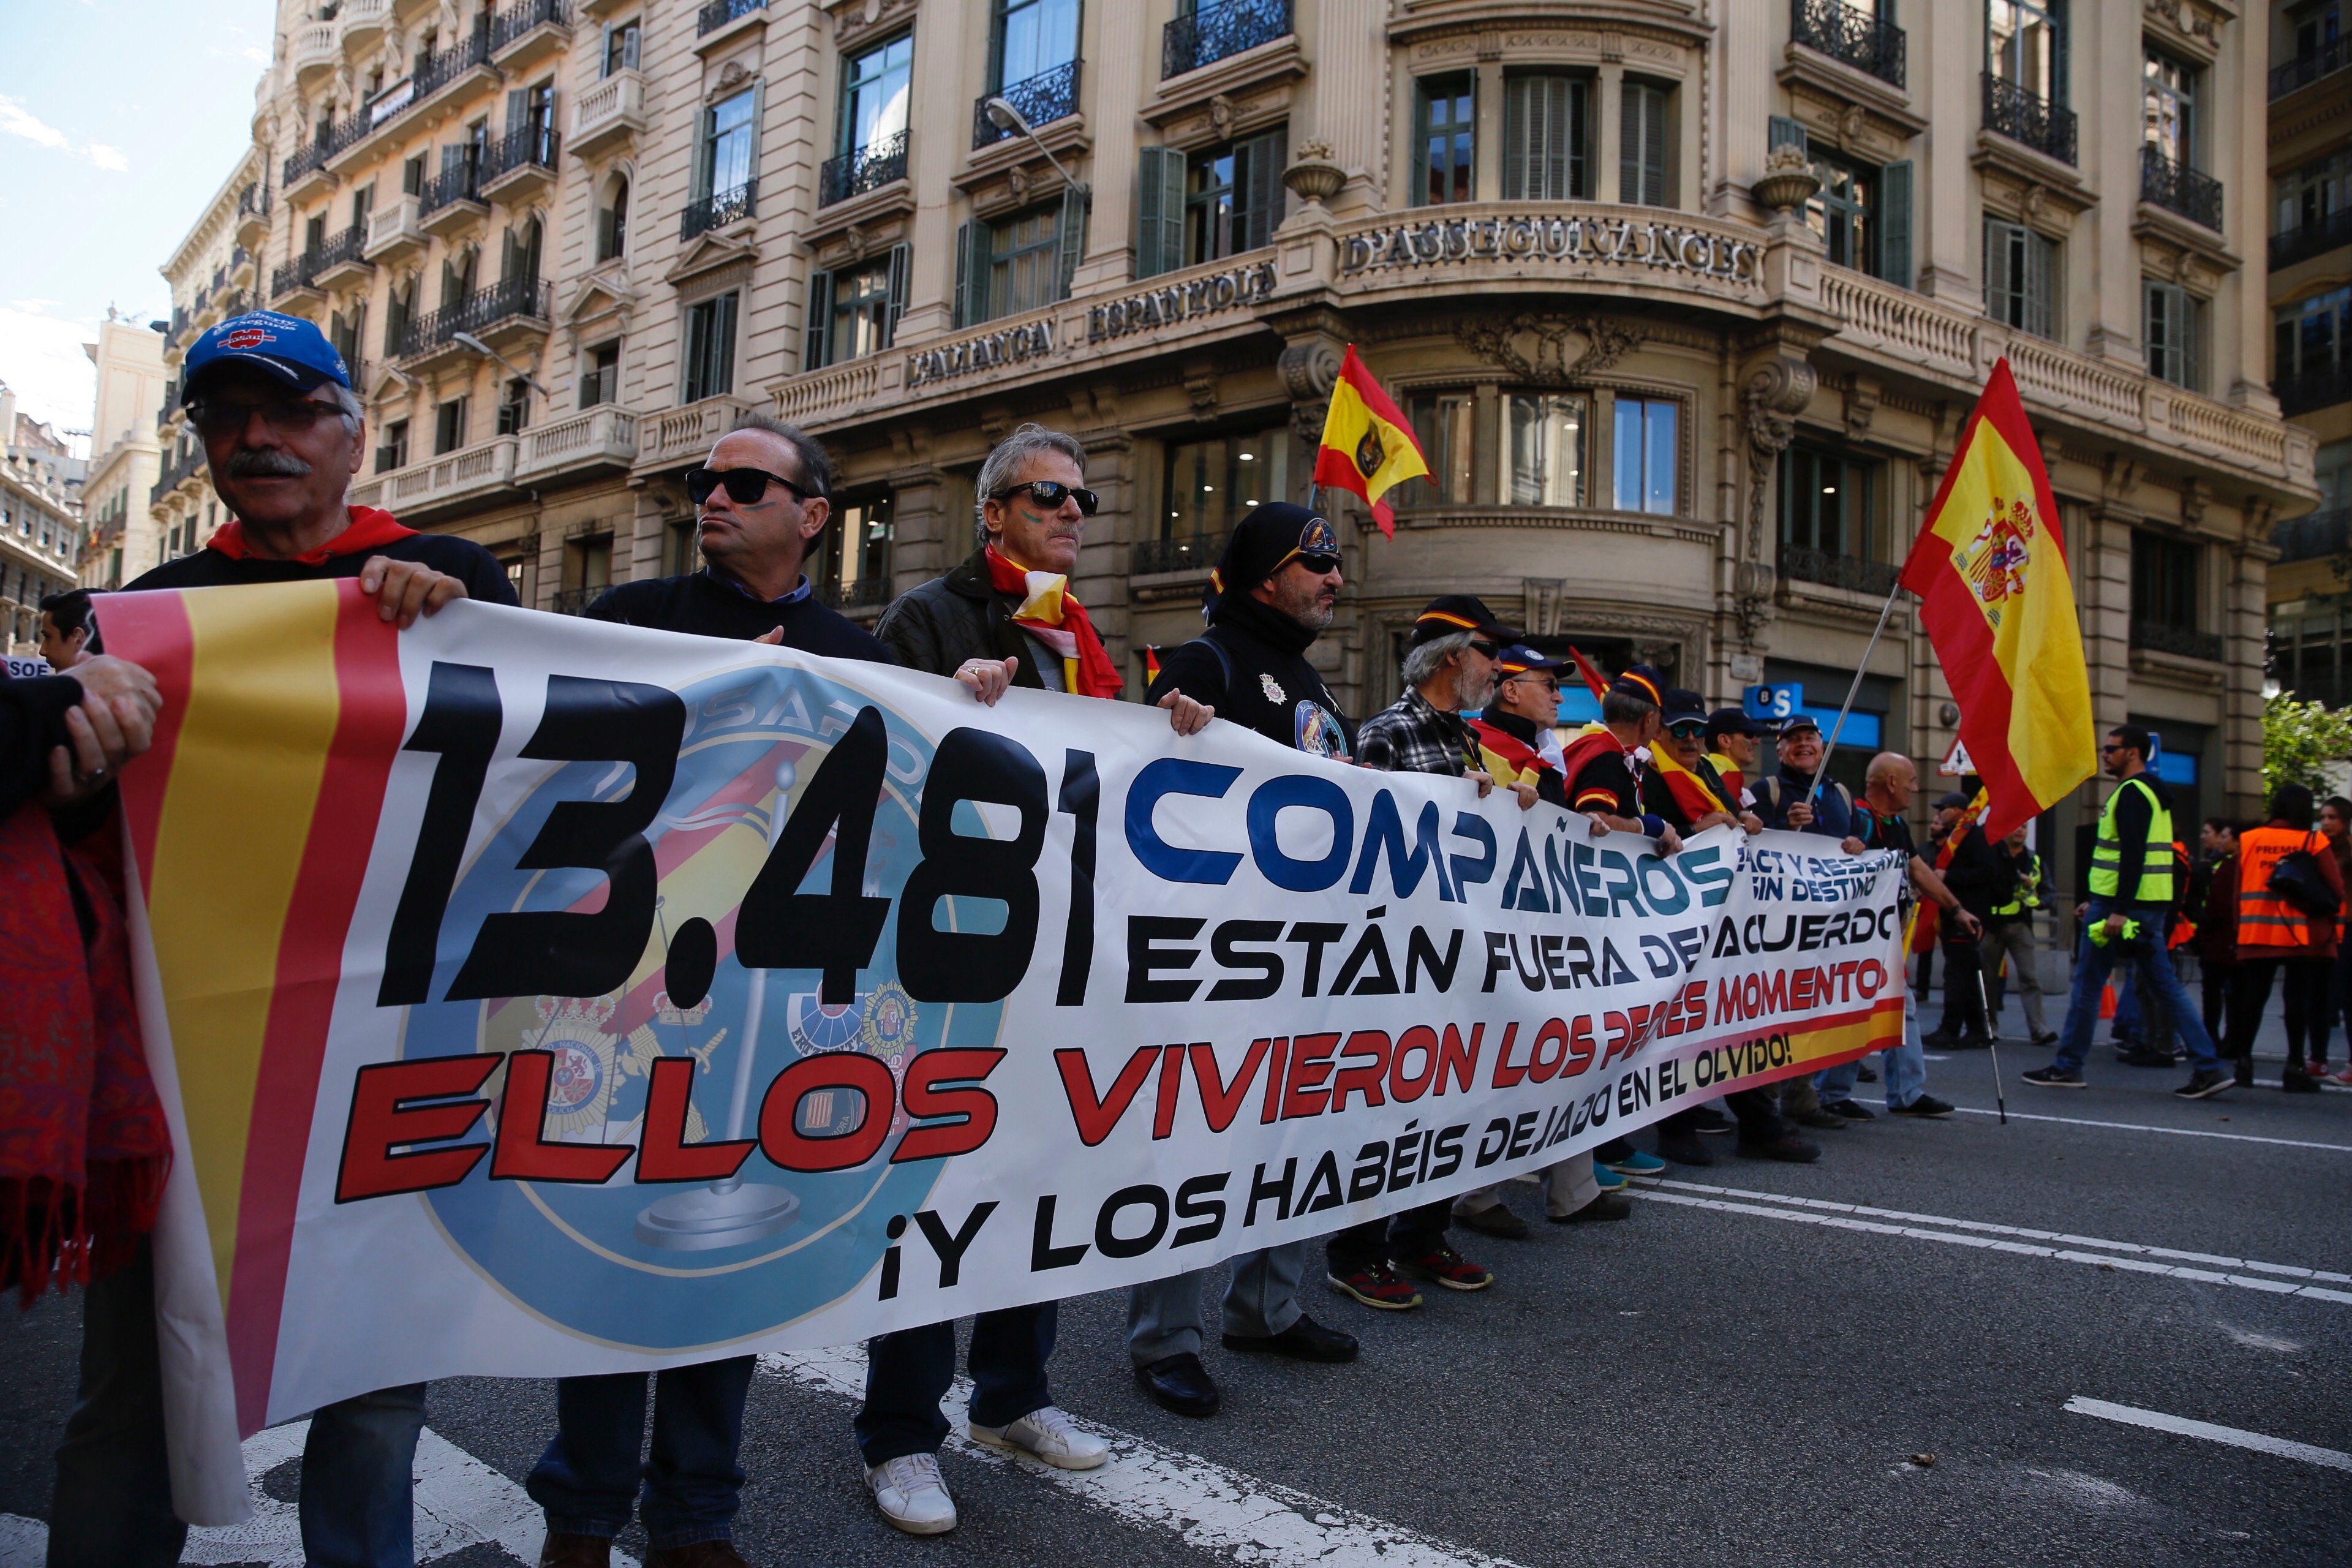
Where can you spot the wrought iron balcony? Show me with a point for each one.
(177, 466)
(2029, 118)
(1211, 32)
(2290, 245)
(719, 13)
(718, 209)
(2175, 186)
(1802, 563)
(514, 22)
(2184, 642)
(1190, 553)
(513, 296)
(575, 601)
(2315, 536)
(1851, 36)
(252, 200)
(2322, 387)
(461, 182)
(436, 71)
(862, 169)
(1046, 97)
(530, 146)
(2303, 69)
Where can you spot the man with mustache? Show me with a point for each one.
(1271, 595)
(284, 436)
(1004, 617)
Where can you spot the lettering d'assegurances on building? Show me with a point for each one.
(1554, 239)
(1181, 302)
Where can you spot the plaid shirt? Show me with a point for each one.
(1408, 736)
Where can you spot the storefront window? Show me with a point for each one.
(1444, 424)
(1211, 484)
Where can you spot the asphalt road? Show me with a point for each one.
(1725, 1378)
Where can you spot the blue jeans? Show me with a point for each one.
(588, 1480)
(909, 1372)
(112, 1502)
(1904, 1066)
(2092, 965)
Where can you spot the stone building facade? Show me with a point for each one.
(40, 523)
(2310, 268)
(119, 533)
(1687, 299)
(215, 273)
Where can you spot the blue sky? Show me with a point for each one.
(118, 121)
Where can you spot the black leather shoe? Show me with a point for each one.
(1305, 1340)
(560, 1550)
(1822, 1120)
(1787, 1146)
(1180, 1384)
(1682, 1149)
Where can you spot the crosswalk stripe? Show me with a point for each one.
(2261, 1442)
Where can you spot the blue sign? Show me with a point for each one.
(1772, 701)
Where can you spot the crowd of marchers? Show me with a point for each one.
(81, 1158)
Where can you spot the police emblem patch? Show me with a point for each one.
(1317, 538)
(1272, 688)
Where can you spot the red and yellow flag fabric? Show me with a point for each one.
(1368, 447)
(1999, 606)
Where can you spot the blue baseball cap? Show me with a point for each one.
(288, 347)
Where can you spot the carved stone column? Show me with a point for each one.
(1775, 392)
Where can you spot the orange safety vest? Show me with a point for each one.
(2264, 919)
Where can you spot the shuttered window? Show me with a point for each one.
(2172, 321)
(2020, 278)
(854, 311)
(1546, 139)
(1444, 139)
(1233, 197)
(709, 348)
(1159, 211)
(1641, 146)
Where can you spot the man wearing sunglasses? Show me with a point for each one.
(1515, 732)
(760, 502)
(284, 436)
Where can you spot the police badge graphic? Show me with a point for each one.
(674, 1266)
(1271, 687)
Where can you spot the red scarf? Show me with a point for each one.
(1048, 612)
(84, 1148)
(370, 528)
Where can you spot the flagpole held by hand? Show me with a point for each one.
(1853, 688)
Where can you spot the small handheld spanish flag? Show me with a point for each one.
(1368, 447)
(1150, 663)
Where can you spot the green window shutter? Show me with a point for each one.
(971, 273)
(1260, 198)
(1159, 211)
(2192, 343)
(819, 352)
(1069, 239)
(1420, 144)
(1784, 131)
(2041, 286)
(1515, 139)
(517, 101)
(1641, 146)
(1894, 223)
(1998, 285)
(758, 120)
(2062, 28)
(902, 259)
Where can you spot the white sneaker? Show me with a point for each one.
(913, 1495)
(1046, 1434)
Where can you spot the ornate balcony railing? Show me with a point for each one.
(514, 22)
(252, 200)
(175, 469)
(437, 71)
(1851, 36)
(2186, 642)
(2303, 69)
(2315, 536)
(2167, 183)
(2318, 388)
(1211, 32)
(575, 601)
(719, 13)
(1802, 563)
(1046, 97)
(2029, 118)
(461, 182)
(1190, 553)
(862, 169)
(518, 149)
(718, 209)
(2301, 244)
(525, 297)
(432, 73)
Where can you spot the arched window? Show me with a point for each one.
(612, 219)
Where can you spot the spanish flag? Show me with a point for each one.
(1999, 606)
(1367, 446)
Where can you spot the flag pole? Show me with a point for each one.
(1813, 792)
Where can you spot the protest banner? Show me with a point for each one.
(533, 996)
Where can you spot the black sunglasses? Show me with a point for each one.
(744, 486)
(1050, 494)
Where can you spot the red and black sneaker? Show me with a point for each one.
(1376, 1285)
(1451, 1269)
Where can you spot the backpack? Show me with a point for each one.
(2297, 878)
(1766, 791)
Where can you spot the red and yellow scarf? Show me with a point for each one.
(1052, 615)
(370, 528)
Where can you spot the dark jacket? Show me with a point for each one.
(936, 626)
(1252, 667)
(1979, 875)
(486, 581)
(706, 606)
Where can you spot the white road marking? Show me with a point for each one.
(459, 1503)
(2261, 1442)
(2132, 1256)
(1208, 1506)
(2142, 1127)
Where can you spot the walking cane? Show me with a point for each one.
(1992, 1043)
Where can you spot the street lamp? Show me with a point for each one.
(1004, 117)
(472, 344)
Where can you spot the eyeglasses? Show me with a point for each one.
(1484, 649)
(1686, 731)
(1051, 493)
(287, 416)
(2112, 746)
(744, 486)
